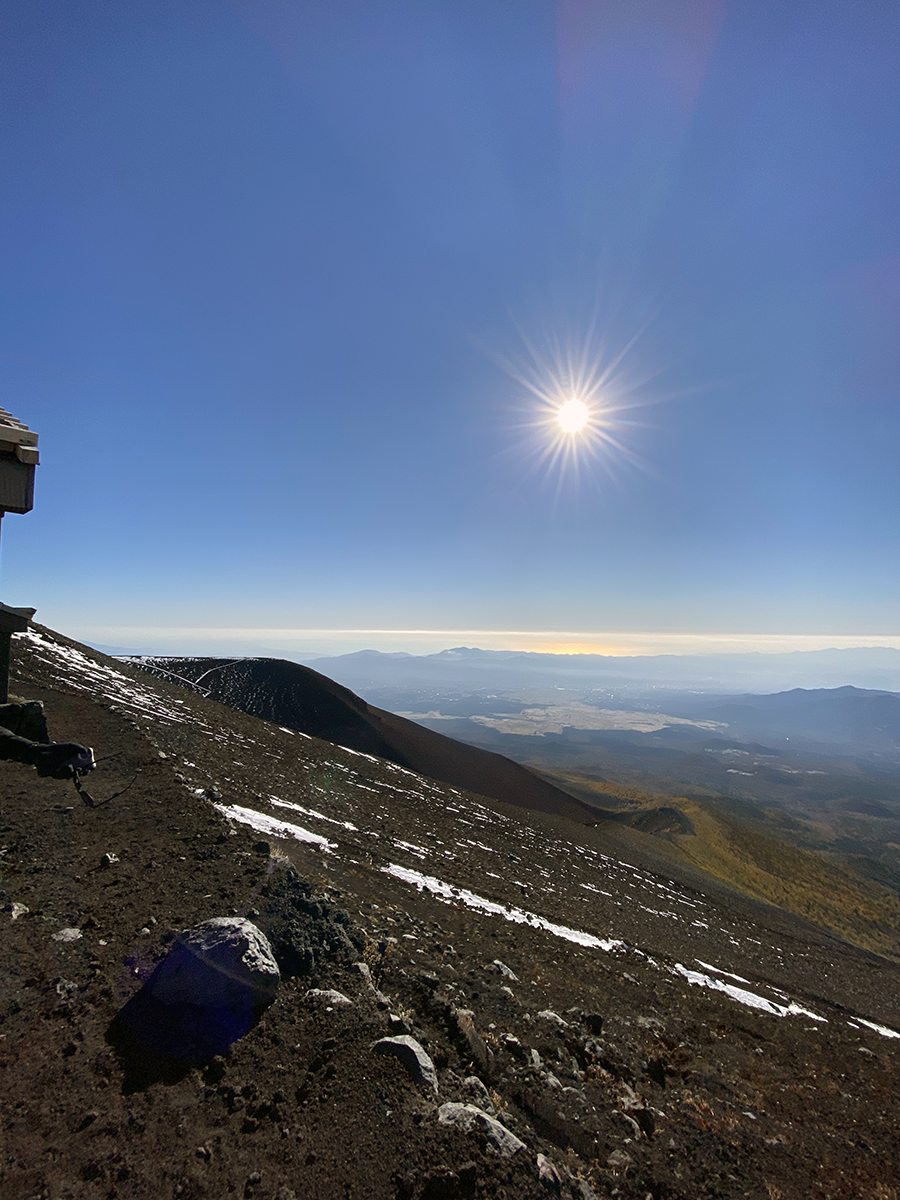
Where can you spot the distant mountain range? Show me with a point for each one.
(844, 716)
(467, 667)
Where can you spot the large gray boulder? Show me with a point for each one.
(213, 986)
(226, 962)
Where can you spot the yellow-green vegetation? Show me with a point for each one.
(857, 910)
(765, 866)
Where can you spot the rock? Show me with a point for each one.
(223, 963)
(398, 1024)
(479, 1093)
(67, 935)
(468, 1117)
(382, 1001)
(413, 1057)
(555, 1018)
(512, 1044)
(507, 991)
(17, 910)
(108, 860)
(216, 982)
(467, 1033)
(505, 971)
(329, 996)
(547, 1173)
(618, 1159)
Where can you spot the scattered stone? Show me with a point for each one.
(479, 1093)
(536, 1061)
(513, 1045)
(329, 996)
(629, 1099)
(548, 1173)
(505, 971)
(398, 1024)
(413, 1057)
(68, 934)
(467, 1033)
(632, 1123)
(507, 991)
(364, 970)
(65, 989)
(555, 1018)
(17, 910)
(108, 860)
(468, 1117)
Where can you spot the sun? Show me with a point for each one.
(573, 415)
(578, 393)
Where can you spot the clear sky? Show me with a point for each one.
(290, 288)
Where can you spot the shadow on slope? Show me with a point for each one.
(297, 697)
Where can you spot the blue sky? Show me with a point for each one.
(273, 274)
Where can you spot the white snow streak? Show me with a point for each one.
(258, 820)
(450, 894)
(882, 1029)
(742, 996)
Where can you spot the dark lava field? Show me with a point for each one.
(613, 1030)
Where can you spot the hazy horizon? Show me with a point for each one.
(333, 642)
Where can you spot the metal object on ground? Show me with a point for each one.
(18, 459)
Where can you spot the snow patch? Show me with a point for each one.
(742, 996)
(450, 894)
(264, 824)
(882, 1029)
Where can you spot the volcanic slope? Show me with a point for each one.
(300, 698)
(637, 1035)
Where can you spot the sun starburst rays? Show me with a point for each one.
(579, 407)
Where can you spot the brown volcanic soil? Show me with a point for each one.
(683, 1092)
